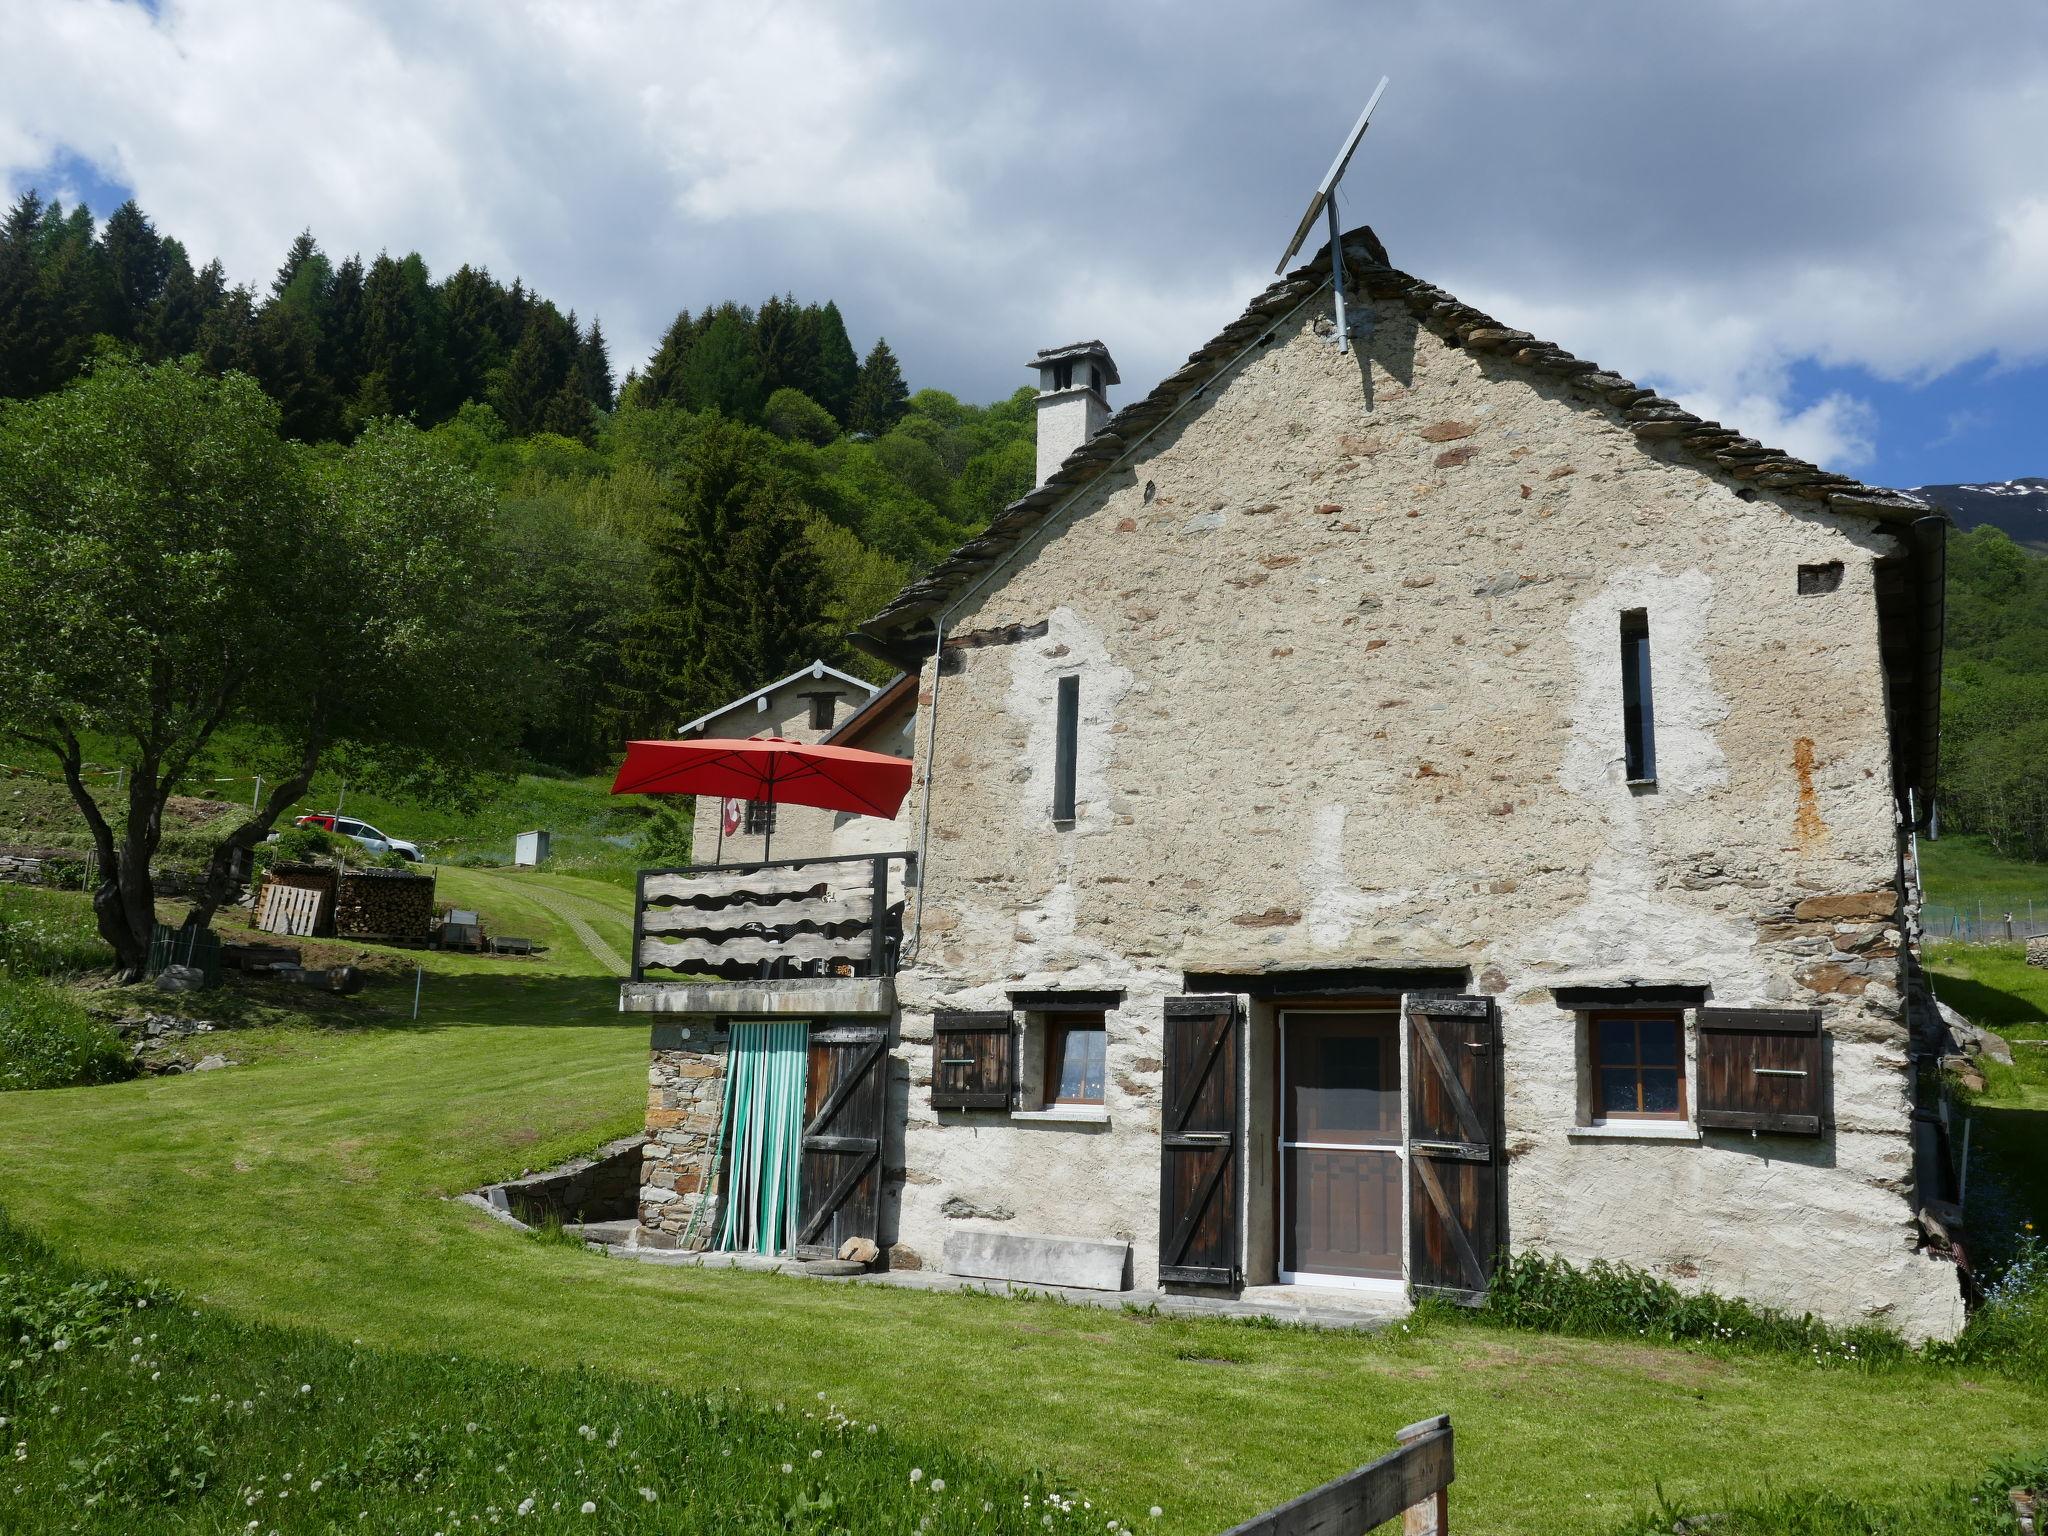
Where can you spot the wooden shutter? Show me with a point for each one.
(1201, 1163)
(973, 1060)
(1455, 1223)
(845, 1093)
(1762, 1069)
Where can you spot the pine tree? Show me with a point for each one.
(594, 360)
(138, 266)
(78, 286)
(780, 341)
(227, 335)
(536, 373)
(25, 331)
(880, 397)
(662, 384)
(722, 372)
(404, 343)
(303, 250)
(172, 328)
(288, 367)
(476, 308)
(341, 331)
(832, 369)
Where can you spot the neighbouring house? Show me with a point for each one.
(1377, 807)
(811, 704)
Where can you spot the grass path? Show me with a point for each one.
(307, 1188)
(576, 911)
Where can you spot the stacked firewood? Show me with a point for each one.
(384, 904)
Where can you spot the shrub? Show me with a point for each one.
(1541, 1291)
(48, 1041)
(304, 845)
(48, 933)
(2008, 1332)
(668, 838)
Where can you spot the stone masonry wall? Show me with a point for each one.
(685, 1092)
(1351, 696)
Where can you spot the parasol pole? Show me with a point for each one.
(768, 842)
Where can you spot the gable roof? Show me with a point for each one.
(896, 699)
(817, 671)
(1708, 444)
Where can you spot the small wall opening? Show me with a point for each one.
(1638, 710)
(1816, 579)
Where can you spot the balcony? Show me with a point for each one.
(787, 936)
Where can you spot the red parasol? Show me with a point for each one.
(767, 768)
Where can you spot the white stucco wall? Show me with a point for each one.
(1350, 695)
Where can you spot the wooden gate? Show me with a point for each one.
(1201, 1159)
(845, 1093)
(1455, 1224)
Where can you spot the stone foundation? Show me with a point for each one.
(685, 1093)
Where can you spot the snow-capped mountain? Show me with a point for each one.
(2019, 507)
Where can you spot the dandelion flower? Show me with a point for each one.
(917, 1474)
(526, 1506)
(649, 1495)
(787, 1469)
(589, 1507)
(305, 1387)
(816, 1454)
(1157, 1511)
(938, 1485)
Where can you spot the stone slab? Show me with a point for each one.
(1030, 1258)
(798, 997)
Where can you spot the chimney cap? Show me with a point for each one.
(1073, 351)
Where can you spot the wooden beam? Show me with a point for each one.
(1353, 1504)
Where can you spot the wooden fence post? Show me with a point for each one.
(1432, 1516)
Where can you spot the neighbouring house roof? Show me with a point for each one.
(1708, 445)
(817, 671)
(896, 699)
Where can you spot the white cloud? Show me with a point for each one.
(1702, 197)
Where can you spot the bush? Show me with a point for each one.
(48, 1041)
(1541, 1291)
(48, 933)
(795, 417)
(668, 839)
(2008, 1332)
(304, 845)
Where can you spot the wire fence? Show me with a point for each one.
(1986, 922)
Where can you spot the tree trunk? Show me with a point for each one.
(124, 890)
(219, 884)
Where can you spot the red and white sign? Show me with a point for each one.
(735, 816)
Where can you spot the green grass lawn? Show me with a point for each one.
(305, 1190)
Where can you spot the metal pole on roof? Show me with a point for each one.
(1337, 274)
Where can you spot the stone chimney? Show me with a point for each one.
(1073, 399)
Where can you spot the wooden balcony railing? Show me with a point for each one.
(839, 916)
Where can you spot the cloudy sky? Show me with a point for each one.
(1825, 222)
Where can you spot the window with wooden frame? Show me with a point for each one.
(1076, 1051)
(824, 708)
(760, 818)
(1637, 1057)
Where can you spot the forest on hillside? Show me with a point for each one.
(1994, 697)
(662, 543)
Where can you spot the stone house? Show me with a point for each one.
(1379, 806)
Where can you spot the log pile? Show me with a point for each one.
(384, 904)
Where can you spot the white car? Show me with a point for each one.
(365, 834)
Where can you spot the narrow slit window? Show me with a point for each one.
(1066, 748)
(1638, 712)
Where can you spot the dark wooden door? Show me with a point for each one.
(1455, 1191)
(1201, 1162)
(1340, 1143)
(845, 1093)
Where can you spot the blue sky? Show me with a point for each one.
(1826, 224)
